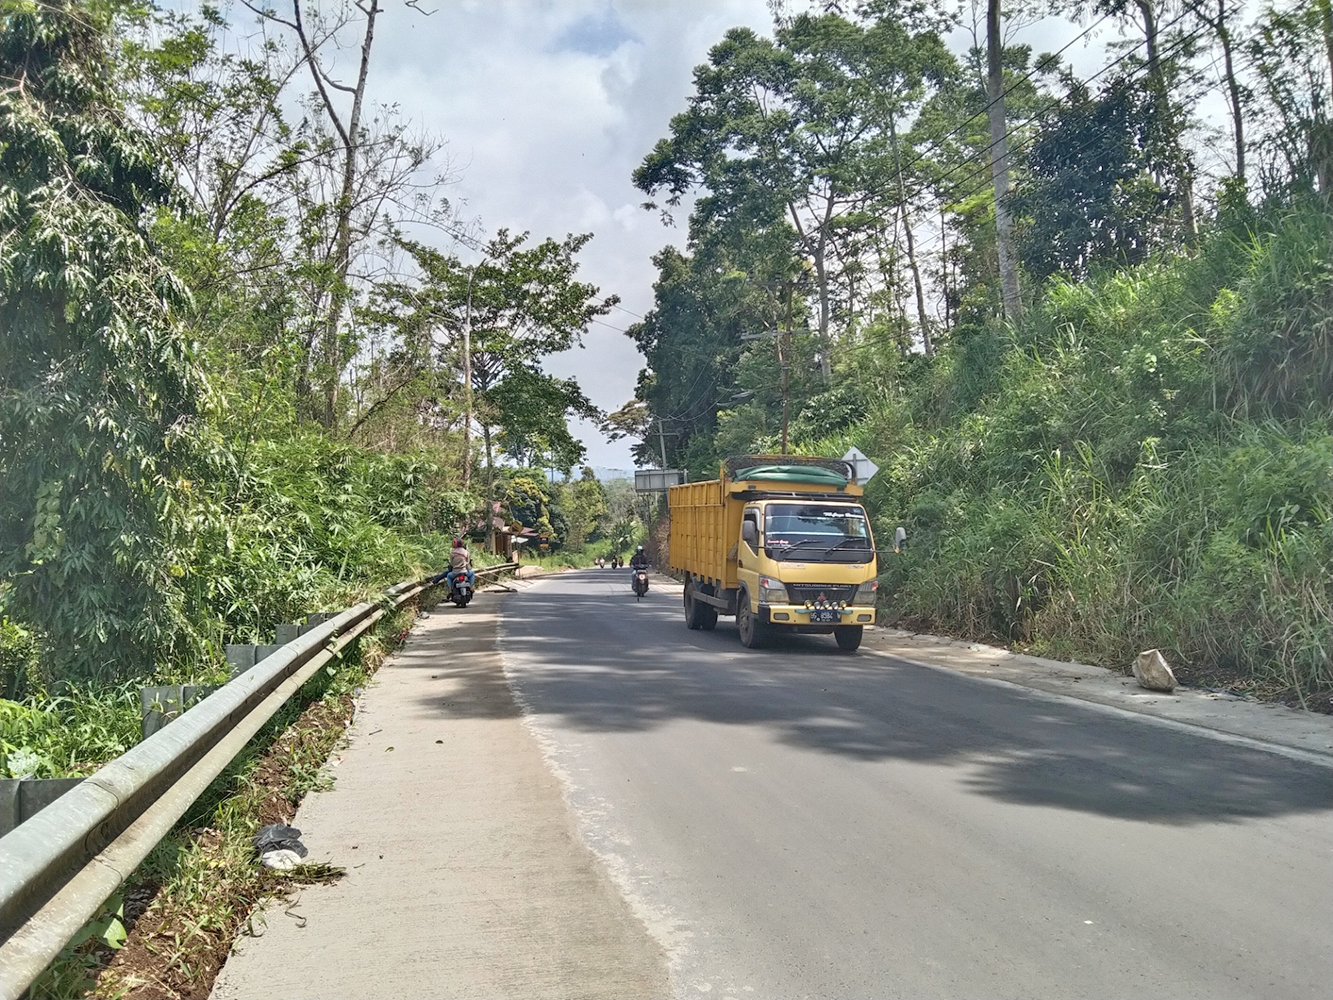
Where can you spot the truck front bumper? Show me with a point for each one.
(799, 614)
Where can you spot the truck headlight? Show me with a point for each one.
(772, 591)
(866, 593)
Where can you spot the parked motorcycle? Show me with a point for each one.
(640, 583)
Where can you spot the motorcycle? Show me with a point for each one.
(461, 591)
(640, 583)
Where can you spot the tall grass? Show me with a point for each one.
(1144, 462)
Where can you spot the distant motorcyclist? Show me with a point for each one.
(460, 562)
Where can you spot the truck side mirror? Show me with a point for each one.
(750, 534)
(899, 539)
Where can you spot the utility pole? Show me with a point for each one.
(661, 440)
(999, 159)
(784, 358)
(467, 383)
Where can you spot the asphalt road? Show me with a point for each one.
(797, 822)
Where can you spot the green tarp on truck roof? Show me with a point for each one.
(793, 474)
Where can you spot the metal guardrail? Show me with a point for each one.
(58, 868)
(501, 568)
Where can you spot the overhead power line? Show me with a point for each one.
(612, 326)
(938, 144)
(936, 239)
(1023, 143)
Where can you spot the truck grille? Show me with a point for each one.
(799, 593)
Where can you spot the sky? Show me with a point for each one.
(547, 106)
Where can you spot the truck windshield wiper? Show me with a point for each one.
(837, 545)
(797, 544)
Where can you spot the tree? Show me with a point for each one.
(1092, 197)
(349, 173)
(691, 339)
(282, 254)
(526, 498)
(1161, 66)
(584, 506)
(523, 303)
(999, 160)
(351, 136)
(99, 389)
(807, 188)
(1292, 52)
(1217, 17)
(794, 143)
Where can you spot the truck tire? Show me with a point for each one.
(752, 631)
(691, 606)
(698, 614)
(848, 637)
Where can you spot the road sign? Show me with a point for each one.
(657, 480)
(865, 469)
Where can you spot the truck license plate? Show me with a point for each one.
(824, 617)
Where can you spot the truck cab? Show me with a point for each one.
(782, 543)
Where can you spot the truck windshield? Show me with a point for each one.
(817, 533)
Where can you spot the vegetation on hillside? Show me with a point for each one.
(1136, 452)
(253, 364)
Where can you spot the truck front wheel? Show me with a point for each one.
(752, 630)
(848, 637)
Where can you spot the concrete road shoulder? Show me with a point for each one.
(466, 875)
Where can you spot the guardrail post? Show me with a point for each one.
(23, 798)
(241, 657)
(160, 704)
(317, 618)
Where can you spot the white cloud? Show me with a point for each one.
(547, 108)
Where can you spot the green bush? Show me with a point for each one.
(307, 524)
(19, 670)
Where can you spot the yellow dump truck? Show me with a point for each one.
(780, 542)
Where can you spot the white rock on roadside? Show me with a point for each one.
(1153, 672)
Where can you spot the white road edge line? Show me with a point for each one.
(1194, 729)
(608, 844)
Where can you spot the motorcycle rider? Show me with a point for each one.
(460, 562)
(638, 562)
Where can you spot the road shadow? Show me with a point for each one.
(602, 663)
